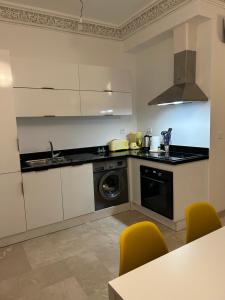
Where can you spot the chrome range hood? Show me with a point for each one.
(185, 89)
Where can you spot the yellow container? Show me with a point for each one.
(116, 145)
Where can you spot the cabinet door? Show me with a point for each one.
(35, 73)
(105, 103)
(98, 78)
(135, 181)
(45, 102)
(43, 198)
(9, 154)
(77, 190)
(122, 104)
(12, 214)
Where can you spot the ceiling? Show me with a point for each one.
(106, 11)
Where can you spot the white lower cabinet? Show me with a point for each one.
(43, 198)
(135, 182)
(12, 214)
(77, 190)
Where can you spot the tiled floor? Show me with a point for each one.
(73, 264)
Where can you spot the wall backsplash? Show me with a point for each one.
(190, 123)
(68, 133)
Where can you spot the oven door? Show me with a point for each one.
(157, 195)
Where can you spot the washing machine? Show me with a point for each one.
(110, 183)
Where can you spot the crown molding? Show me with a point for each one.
(33, 17)
(151, 14)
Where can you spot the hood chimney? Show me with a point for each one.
(185, 89)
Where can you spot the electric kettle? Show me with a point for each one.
(146, 142)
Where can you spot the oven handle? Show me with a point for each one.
(156, 180)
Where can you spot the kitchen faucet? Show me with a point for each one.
(52, 151)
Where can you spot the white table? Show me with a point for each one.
(195, 271)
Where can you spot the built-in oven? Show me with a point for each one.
(157, 190)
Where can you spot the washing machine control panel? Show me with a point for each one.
(109, 165)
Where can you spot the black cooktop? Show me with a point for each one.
(172, 156)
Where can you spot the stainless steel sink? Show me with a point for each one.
(45, 161)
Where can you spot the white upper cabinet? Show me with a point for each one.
(12, 214)
(98, 78)
(77, 190)
(44, 102)
(105, 103)
(43, 198)
(9, 154)
(35, 73)
(44, 88)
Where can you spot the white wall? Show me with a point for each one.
(68, 133)
(190, 122)
(26, 41)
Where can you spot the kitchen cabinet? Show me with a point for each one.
(99, 78)
(77, 190)
(37, 73)
(43, 198)
(9, 154)
(46, 102)
(105, 103)
(45, 88)
(12, 214)
(134, 178)
(193, 174)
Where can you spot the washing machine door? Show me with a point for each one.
(110, 185)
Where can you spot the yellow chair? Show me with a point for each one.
(201, 219)
(139, 244)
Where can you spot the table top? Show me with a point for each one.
(195, 271)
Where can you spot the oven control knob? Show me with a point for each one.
(159, 174)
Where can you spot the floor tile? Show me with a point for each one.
(68, 289)
(41, 251)
(89, 271)
(29, 283)
(13, 261)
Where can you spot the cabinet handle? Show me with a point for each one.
(47, 88)
(22, 188)
(49, 116)
(109, 91)
(18, 145)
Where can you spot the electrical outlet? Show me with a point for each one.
(149, 130)
(122, 131)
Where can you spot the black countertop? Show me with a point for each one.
(177, 155)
